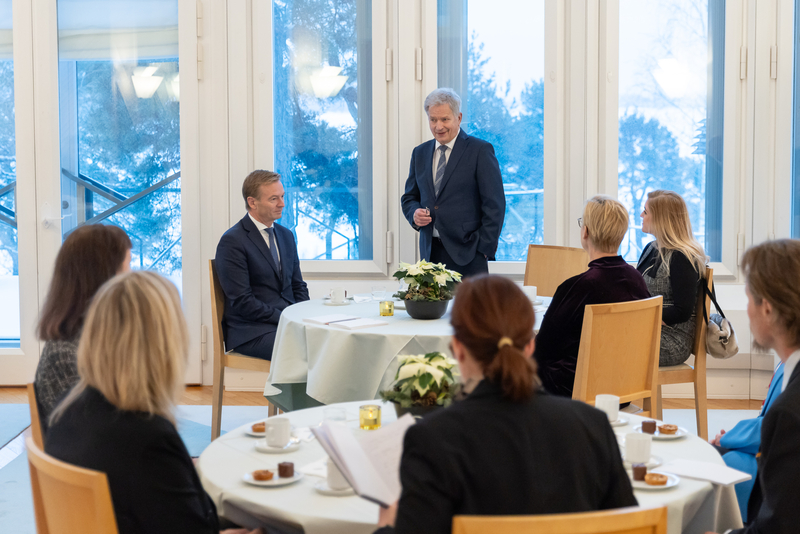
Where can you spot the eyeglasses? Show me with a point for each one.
(580, 222)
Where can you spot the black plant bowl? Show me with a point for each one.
(416, 411)
(426, 309)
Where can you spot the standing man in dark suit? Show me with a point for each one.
(772, 284)
(454, 193)
(258, 269)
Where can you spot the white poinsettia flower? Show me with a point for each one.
(441, 279)
(414, 270)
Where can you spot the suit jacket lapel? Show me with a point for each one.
(258, 240)
(283, 247)
(427, 157)
(458, 150)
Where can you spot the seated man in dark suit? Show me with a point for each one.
(454, 192)
(258, 269)
(772, 284)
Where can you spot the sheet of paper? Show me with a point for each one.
(357, 324)
(317, 469)
(384, 448)
(328, 319)
(718, 474)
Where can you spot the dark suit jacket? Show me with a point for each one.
(154, 486)
(486, 455)
(255, 295)
(471, 205)
(773, 503)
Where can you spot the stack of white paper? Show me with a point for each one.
(371, 467)
(328, 319)
(718, 474)
(356, 324)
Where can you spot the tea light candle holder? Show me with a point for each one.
(387, 308)
(369, 417)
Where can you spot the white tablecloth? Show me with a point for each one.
(340, 365)
(694, 506)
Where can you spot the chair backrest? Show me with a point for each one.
(632, 520)
(619, 349)
(701, 324)
(217, 311)
(68, 499)
(36, 422)
(548, 266)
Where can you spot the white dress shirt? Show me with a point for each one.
(261, 227)
(436, 156)
(790, 364)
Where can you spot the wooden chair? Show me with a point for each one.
(683, 373)
(631, 520)
(224, 359)
(68, 499)
(36, 422)
(547, 267)
(618, 354)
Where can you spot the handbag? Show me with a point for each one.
(721, 339)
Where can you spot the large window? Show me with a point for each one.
(9, 258)
(119, 91)
(496, 64)
(323, 124)
(670, 112)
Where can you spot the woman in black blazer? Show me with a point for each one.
(508, 448)
(119, 419)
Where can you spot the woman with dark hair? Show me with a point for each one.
(90, 256)
(508, 448)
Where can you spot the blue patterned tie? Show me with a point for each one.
(437, 181)
(273, 247)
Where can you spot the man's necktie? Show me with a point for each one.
(273, 247)
(437, 181)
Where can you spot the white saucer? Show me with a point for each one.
(672, 481)
(329, 303)
(658, 435)
(620, 421)
(261, 446)
(276, 480)
(250, 432)
(655, 461)
(323, 488)
(537, 302)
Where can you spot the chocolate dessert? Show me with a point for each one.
(286, 469)
(639, 471)
(649, 427)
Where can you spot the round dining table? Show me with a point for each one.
(694, 506)
(346, 365)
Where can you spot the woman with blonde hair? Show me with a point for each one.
(608, 279)
(672, 266)
(119, 418)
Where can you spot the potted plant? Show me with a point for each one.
(430, 288)
(423, 383)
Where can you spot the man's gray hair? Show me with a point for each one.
(444, 95)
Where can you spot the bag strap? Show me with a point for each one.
(713, 295)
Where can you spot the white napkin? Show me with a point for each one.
(358, 299)
(303, 434)
(718, 474)
(316, 469)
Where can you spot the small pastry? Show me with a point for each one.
(286, 469)
(639, 471)
(263, 474)
(655, 479)
(668, 429)
(259, 427)
(649, 427)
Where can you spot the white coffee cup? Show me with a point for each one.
(609, 404)
(637, 448)
(530, 292)
(278, 431)
(337, 295)
(336, 480)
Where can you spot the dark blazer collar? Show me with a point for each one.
(258, 240)
(458, 150)
(795, 374)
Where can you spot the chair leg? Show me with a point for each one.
(701, 406)
(216, 403)
(273, 410)
(647, 407)
(659, 400)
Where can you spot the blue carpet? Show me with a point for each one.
(16, 503)
(14, 418)
(195, 436)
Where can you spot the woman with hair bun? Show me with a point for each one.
(508, 447)
(672, 266)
